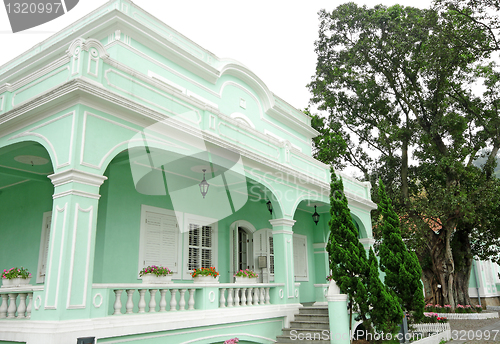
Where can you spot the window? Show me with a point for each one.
(300, 257)
(159, 239)
(44, 247)
(200, 242)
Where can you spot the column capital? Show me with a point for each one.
(337, 297)
(77, 176)
(367, 241)
(282, 222)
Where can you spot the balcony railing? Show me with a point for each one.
(16, 303)
(151, 298)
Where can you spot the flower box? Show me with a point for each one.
(153, 279)
(246, 280)
(15, 282)
(205, 279)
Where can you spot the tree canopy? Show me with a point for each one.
(413, 94)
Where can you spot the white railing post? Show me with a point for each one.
(236, 297)
(262, 296)
(173, 301)
(118, 302)
(182, 300)
(243, 296)
(3, 306)
(22, 306)
(230, 297)
(249, 298)
(222, 298)
(256, 294)
(30, 305)
(129, 306)
(268, 296)
(142, 301)
(11, 311)
(152, 300)
(163, 300)
(191, 299)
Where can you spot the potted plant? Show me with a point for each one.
(15, 277)
(156, 274)
(205, 275)
(246, 276)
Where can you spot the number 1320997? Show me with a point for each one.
(474, 335)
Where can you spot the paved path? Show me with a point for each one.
(475, 331)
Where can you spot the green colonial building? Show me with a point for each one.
(123, 144)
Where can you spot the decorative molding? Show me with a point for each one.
(320, 245)
(337, 297)
(77, 176)
(38, 302)
(30, 132)
(282, 222)
(2, 100)
(367, 241)
(55, 72)
(97, 304)
(48, 282)
(76, 193)
(72, 261)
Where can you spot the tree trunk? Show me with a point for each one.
(462, 257)
(442, 264)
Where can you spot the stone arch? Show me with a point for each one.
(360, 226)
(42, 141)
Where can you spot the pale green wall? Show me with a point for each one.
(21, 213)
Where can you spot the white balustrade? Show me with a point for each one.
(16, 303)
(244, 296)
(141, 298)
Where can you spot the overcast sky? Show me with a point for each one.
(273, 38)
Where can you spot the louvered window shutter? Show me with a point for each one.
(271, 254)
(200, 247)
(161, 240)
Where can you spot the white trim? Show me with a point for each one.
(320, 245)
(77, 176)
(51, 260)
(76, 193)
(336, 297)
(72, 261)
(282, 222)
(239, 117)
(97, 305)
(24, 88)
(320, 252)
(44, 239)
(2, 97)
(163, 94)
(179, 216)
(367, 241)
(54, 151)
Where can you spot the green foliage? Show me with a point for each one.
(401, 82)
(402, 269)
(357, 276)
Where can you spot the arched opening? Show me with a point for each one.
(25, 207)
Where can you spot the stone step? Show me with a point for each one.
(313, 310)
(310, 324)
(312, 317)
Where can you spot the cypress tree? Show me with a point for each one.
(386, 313)
(402, 269)
(354, 274)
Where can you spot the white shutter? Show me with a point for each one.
(160, 240)
(300, 256)
(234, 252)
